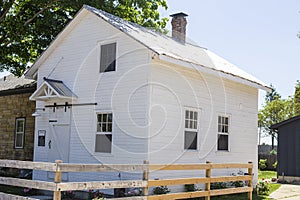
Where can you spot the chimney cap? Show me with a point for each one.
(179, 14)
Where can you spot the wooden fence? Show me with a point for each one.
(58, 186)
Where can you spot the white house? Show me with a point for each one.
(110, 91)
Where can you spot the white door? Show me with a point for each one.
(59, 137)
(59, 142)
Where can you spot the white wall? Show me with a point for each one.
(173, 88)
(124, 92)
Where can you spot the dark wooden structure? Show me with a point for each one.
(288, 149)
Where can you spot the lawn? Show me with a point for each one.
(266, 174)
(261, 175)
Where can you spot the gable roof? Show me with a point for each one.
(50, 89)
(165, 47)
(276, 126)
(11, 84)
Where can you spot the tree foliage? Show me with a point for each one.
(297, 98)
(28, 26)
(274, 111)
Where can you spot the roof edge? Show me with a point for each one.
(276, 126)
(206, 69)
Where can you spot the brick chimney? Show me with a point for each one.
(179, 26)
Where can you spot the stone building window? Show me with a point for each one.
(19, 133)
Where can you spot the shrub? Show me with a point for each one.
(216, 186)
(275, 165)
(68, 194)
(273, 152)
(95, 195)
(161, 190)
(238, 184)
(262, 164)
(190, 187)
(262, 188)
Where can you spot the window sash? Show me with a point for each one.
(104, 122)
(223, 142)
(223, 133)
(108, 57)
(191, 129)
(103, 142)
(223, 124)
(191, 120)
(190, 140)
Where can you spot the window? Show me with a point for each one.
(108, 58)
(223, 133)
(191, 130)
(104, 132)
(19, 133)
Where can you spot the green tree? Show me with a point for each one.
(274, 111)
(28, 26)
(272, 95)
(297, 98)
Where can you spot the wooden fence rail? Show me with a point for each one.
(58, 186)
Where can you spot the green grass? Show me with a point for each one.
(266, 174)
(261, 175)
(243, 196)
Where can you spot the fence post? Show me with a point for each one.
(250, 184)
(146, 178)
(207, 184)
(57, 179)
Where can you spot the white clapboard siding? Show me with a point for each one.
(123, 92)
(176, 88)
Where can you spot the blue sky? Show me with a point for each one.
(258, 36)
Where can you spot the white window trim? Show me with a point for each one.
(104, 133)
(198, 110)
(18, 133)
(220, 133)
(105, 42)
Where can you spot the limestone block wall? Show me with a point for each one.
(12, 107)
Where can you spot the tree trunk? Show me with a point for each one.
(273, 141)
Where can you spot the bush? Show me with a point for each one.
(275, 165)
(273, 152)
(95, 194)
(161, 190)
(190, 187)
(262, 164)
(68, 194)
(216, 186)
(238, 184)
(263, 188)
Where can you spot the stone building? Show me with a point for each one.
(16, 120)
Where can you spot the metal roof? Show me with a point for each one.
(164, 46)
(13, 82)
(51, 88)
(167, 46)
(60, 87)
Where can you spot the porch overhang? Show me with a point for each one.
(52, 90)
